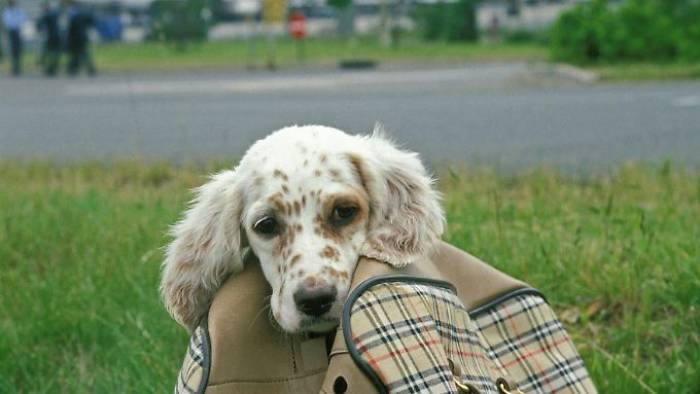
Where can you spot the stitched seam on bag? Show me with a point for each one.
(278, 380)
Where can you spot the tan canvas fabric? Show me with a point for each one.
(248, 354)
(476, 282)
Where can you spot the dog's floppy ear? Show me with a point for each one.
(406, 219)
(206, 248)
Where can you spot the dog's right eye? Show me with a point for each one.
(266, 226)
(343, 215)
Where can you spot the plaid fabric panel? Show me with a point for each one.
(407, 332)
(525, 337)
(194, 371)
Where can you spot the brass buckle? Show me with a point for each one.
(464, 388)
(504, 388)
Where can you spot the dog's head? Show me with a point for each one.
(308, 201)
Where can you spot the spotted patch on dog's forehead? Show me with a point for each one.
(277, 201)
(331, 253)
(334, 173)
(277, 173)
(336, 274)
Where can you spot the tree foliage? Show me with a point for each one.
(636, 30)
(180, 21)
(339, 4)
(449, 21)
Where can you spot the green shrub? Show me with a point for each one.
(454, 21)
(339, 4)
(461, 25)
(640, 31)
(428, 17)
(525, 36)
(689, 45)
(577, 34)
(636, 30)
(179, 21)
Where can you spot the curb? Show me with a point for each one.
(576, 73)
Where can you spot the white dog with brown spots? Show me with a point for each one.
(309, 202)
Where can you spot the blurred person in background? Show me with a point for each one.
(48, 25)
(80, 21)
(13, 18)
(2, 50)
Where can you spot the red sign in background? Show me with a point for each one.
(297, 25)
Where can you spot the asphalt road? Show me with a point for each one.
(507, 115)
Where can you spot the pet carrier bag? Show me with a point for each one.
(450, 324)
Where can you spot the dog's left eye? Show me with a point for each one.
(267, 226)
(343, 214)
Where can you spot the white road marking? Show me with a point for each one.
(687, 101)
(302, 82)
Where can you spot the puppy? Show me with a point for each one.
(308, 202)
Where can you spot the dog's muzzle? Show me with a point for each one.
(316, 299)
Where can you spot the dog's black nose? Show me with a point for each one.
(315, 301)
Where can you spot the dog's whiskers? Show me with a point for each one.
(265, 307)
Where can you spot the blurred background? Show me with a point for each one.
(564, 135)
(506, 83)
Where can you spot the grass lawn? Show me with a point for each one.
(327, 52)
(318, 52)
(617, 255)
(647, 71)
